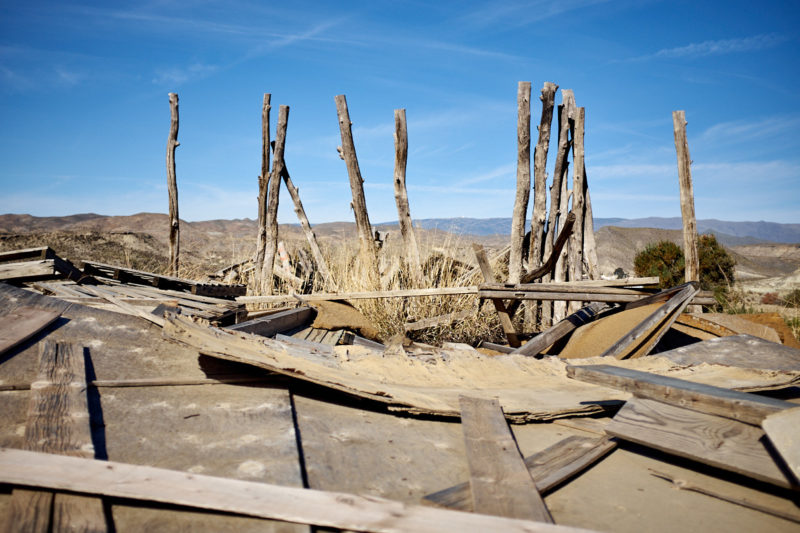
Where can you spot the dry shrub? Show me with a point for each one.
(771, 298)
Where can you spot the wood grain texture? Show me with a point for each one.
(783, 430)
(539, 213)
(546, 338)
(741, 406)
(172, 186)
(263, 188)
(308, 506)
(22, 324)
(522, 195)
(499, 480)
(548, 468)
(708, 439)
(277, 323)
(273, 196)
(410, 247)
(687, 197)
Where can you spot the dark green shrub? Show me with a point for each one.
(663, 259)
(793, 298)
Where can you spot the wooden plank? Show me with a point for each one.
(58, 422)
(741, 351)
(546, 338)
(291, 504)
(29, 270)
(711, 440)
(125, 307)
(488, 277)
(441, 320)
(548, 468)
(499, 481)
(741, 406)
(498, 293)
(42, 252)
(23, 324)
(276, 323)
(365, 295)
(783, 430)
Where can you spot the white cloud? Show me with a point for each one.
(747, 130)
(520, 13)
(177, 75)
(719, 47)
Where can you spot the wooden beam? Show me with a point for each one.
(273, 195)
(548, 266)
(741, 406)
(576, 239)
(365, 295)
(28, 270)
(441, 320)
(539, 213)
(783, 430)
(271, 325)
(263, 189)
(22, 324)
(58, 422)
(290, 504)
(687, 196)
(547, 338)
(548, 468)
(523, 181)
(172, 186)
(401, 196)
(711, 440)
(571, 296)
(505, 317)
(499, 480)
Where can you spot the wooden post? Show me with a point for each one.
(401, 196)
(322, 266)
(367, 247)
(687, 197)
(523, 180)
(172, 186)
(560, 275)
(576, 241)
(488, 277)
(589, 244)
(271, 217)
(539, 214)
(263, 187)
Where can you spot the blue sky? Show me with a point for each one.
(84, 112)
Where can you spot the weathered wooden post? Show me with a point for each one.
(272, 201)
(367, 249)
(401, 196)
(692, 272)
(263, 187)
(523, 180)
(539, 214)
(589, 243)
(172, 186)
(576, 239)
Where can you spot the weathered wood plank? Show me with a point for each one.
(441, 320)
(546, 338)
(749, 408)
(28, 270)
(712, 440)
(22, 324)
(291, 504)
(277, 323)
(548, 468)
(499, 481)
(365, 295)
(571, 296)
(783, 430)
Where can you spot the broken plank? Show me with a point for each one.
(712, 440)
(546, 338)
(276, 323)
(499, 481)
(22, 324)
(29, 270)
(749, 408)
(58, 422)
(548, 468)
(783, 430)
(291, 504)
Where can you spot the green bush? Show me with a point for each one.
(793, 298)
(663, 259)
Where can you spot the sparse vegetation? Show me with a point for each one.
(792, 299)
(663, 259)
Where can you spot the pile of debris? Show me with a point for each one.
(141, 402)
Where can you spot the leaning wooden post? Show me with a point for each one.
(576, 240)
(589, 243)
(322, 265)
(172, 186)
(263, 187)
(692, 272)
(539, 214)
(272, 201)
(401, 195)
(367, 247)
(523, 181)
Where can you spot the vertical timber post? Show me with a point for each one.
(367, 249)
(576, 239)
(272, 201)
(589, 243)
(401, 195)
(172, 186)
(523, 181)
(687, 199)
(263, 187)
(539, 214)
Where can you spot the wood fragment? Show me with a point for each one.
(172, 186)
(22, 324)
(783, 430)
(548, 468)
(499, 480)
(741, 406)
(290, 504)
(712, 440)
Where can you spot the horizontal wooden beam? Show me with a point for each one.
(369, 295)
(587, 296)
(289, 504)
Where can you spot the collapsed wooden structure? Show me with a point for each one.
(133, 403)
